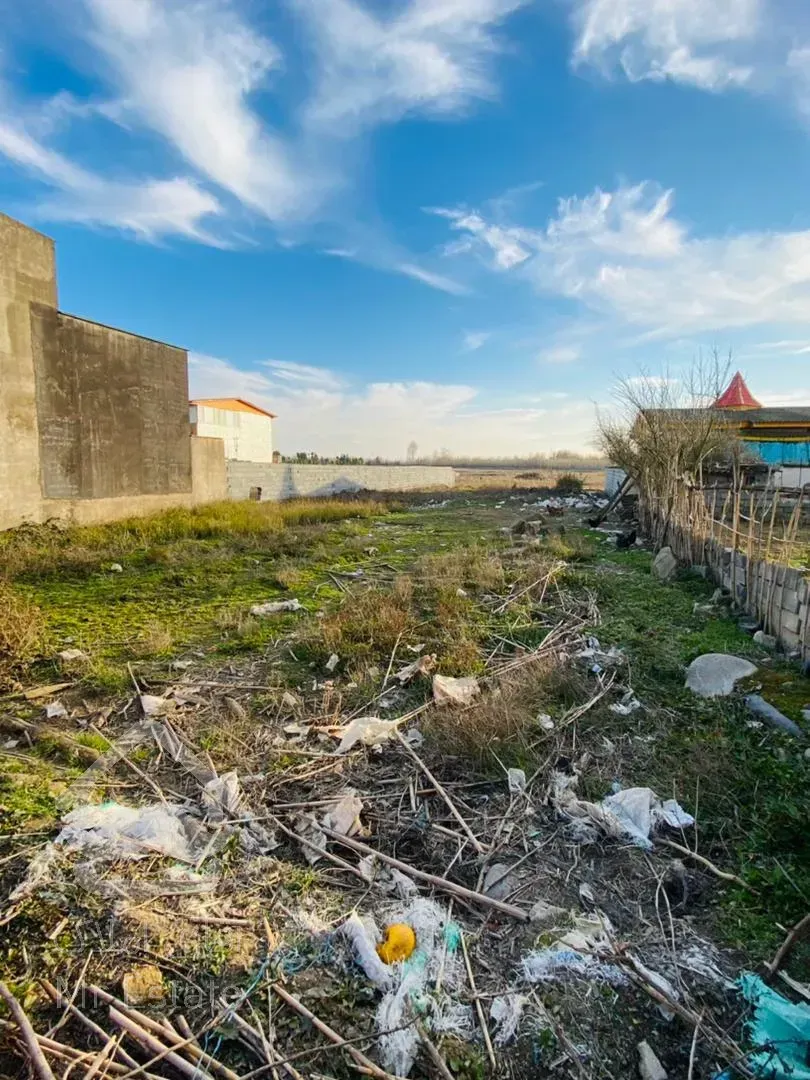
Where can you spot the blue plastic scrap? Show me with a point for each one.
(779, 1031)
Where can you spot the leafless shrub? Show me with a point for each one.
(23, 634)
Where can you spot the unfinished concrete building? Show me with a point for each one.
(93, 421)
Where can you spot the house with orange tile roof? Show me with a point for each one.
(245, 429)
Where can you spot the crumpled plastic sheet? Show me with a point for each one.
(554, 964)
(368, 730)
(506, 1012)
(631, 813)
(779, 1030)
(133, 832)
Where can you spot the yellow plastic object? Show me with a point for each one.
(400, 941)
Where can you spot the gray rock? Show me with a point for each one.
(767, 641)
(546, 916)
(499, 882)
(665, 565)
(715, 674)
(763, 710)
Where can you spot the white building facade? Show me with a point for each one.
(245, 429)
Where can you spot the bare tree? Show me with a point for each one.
(413, 450)
(665, 432)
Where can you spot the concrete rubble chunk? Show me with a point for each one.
(649, 1067)
(716, 674)
(665, 565)
(767, 641)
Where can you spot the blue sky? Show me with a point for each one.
(452, 221)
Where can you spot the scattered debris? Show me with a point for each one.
(516, 779)
(116, 568)
(73, 656)
(627, 706)
(153, 705)
(779, 1030)
(630, 813)
(275, 607)
(649, 1067)
(546, 916)
(505, 1013)
(399, 943)
(55, 710)
(716, 674)
(332, 662)
(368, 730)
(114, 832)
(344, 817)
(450, 691)
(423, 666)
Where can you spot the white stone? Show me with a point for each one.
(649, 1067)
(715, 674)
(664, 565)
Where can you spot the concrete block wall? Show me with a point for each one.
(295, 481)
(777, 595)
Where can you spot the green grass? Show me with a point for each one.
(751, 785)
(188, 577)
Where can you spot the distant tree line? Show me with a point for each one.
(557, 459)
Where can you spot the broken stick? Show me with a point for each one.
(451, 806)
(37, 1058)
(364, 1063)
(431, 879)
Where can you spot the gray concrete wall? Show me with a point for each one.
(27, 275)
(294, 481)
(208, 476)
(112, 408)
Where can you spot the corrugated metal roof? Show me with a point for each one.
(232, 404)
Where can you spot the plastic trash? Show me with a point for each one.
(627, 706)
(649, 1067)
(153, 705)
(363, 941)
(73, 656)
(309, 830)
(222, 798)
(275, 607)
(55, 710)
(368, 730)
(505, 1013)
(332, 662)
(344, 817)
(450, 691)
(423, 666)
(133, 832)
(399, 943)
(516, 778)
(553, 964)
(779, 1030)
(632, 813)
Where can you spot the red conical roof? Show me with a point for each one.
(737, 396)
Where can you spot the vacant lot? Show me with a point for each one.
(578, 661)
(496, 479)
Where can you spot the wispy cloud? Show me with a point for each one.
(560, 354)
(624, 254)
(473, 340)
(148, 208)
(420, 55)
(684, 40)
(434, 280)
(384, 417)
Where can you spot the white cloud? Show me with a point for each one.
(381, 418)
(691, 41)
(148, 208)
(623, 254)
(560, 354)
(434, 280)
(186, 71)
(475, 339)
(425, 55)
(303, 375)
(786, 347)
(785, 398)
(505, 245)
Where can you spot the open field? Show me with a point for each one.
(381, 585)
(496, 478)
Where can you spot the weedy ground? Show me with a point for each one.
(434, 579)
